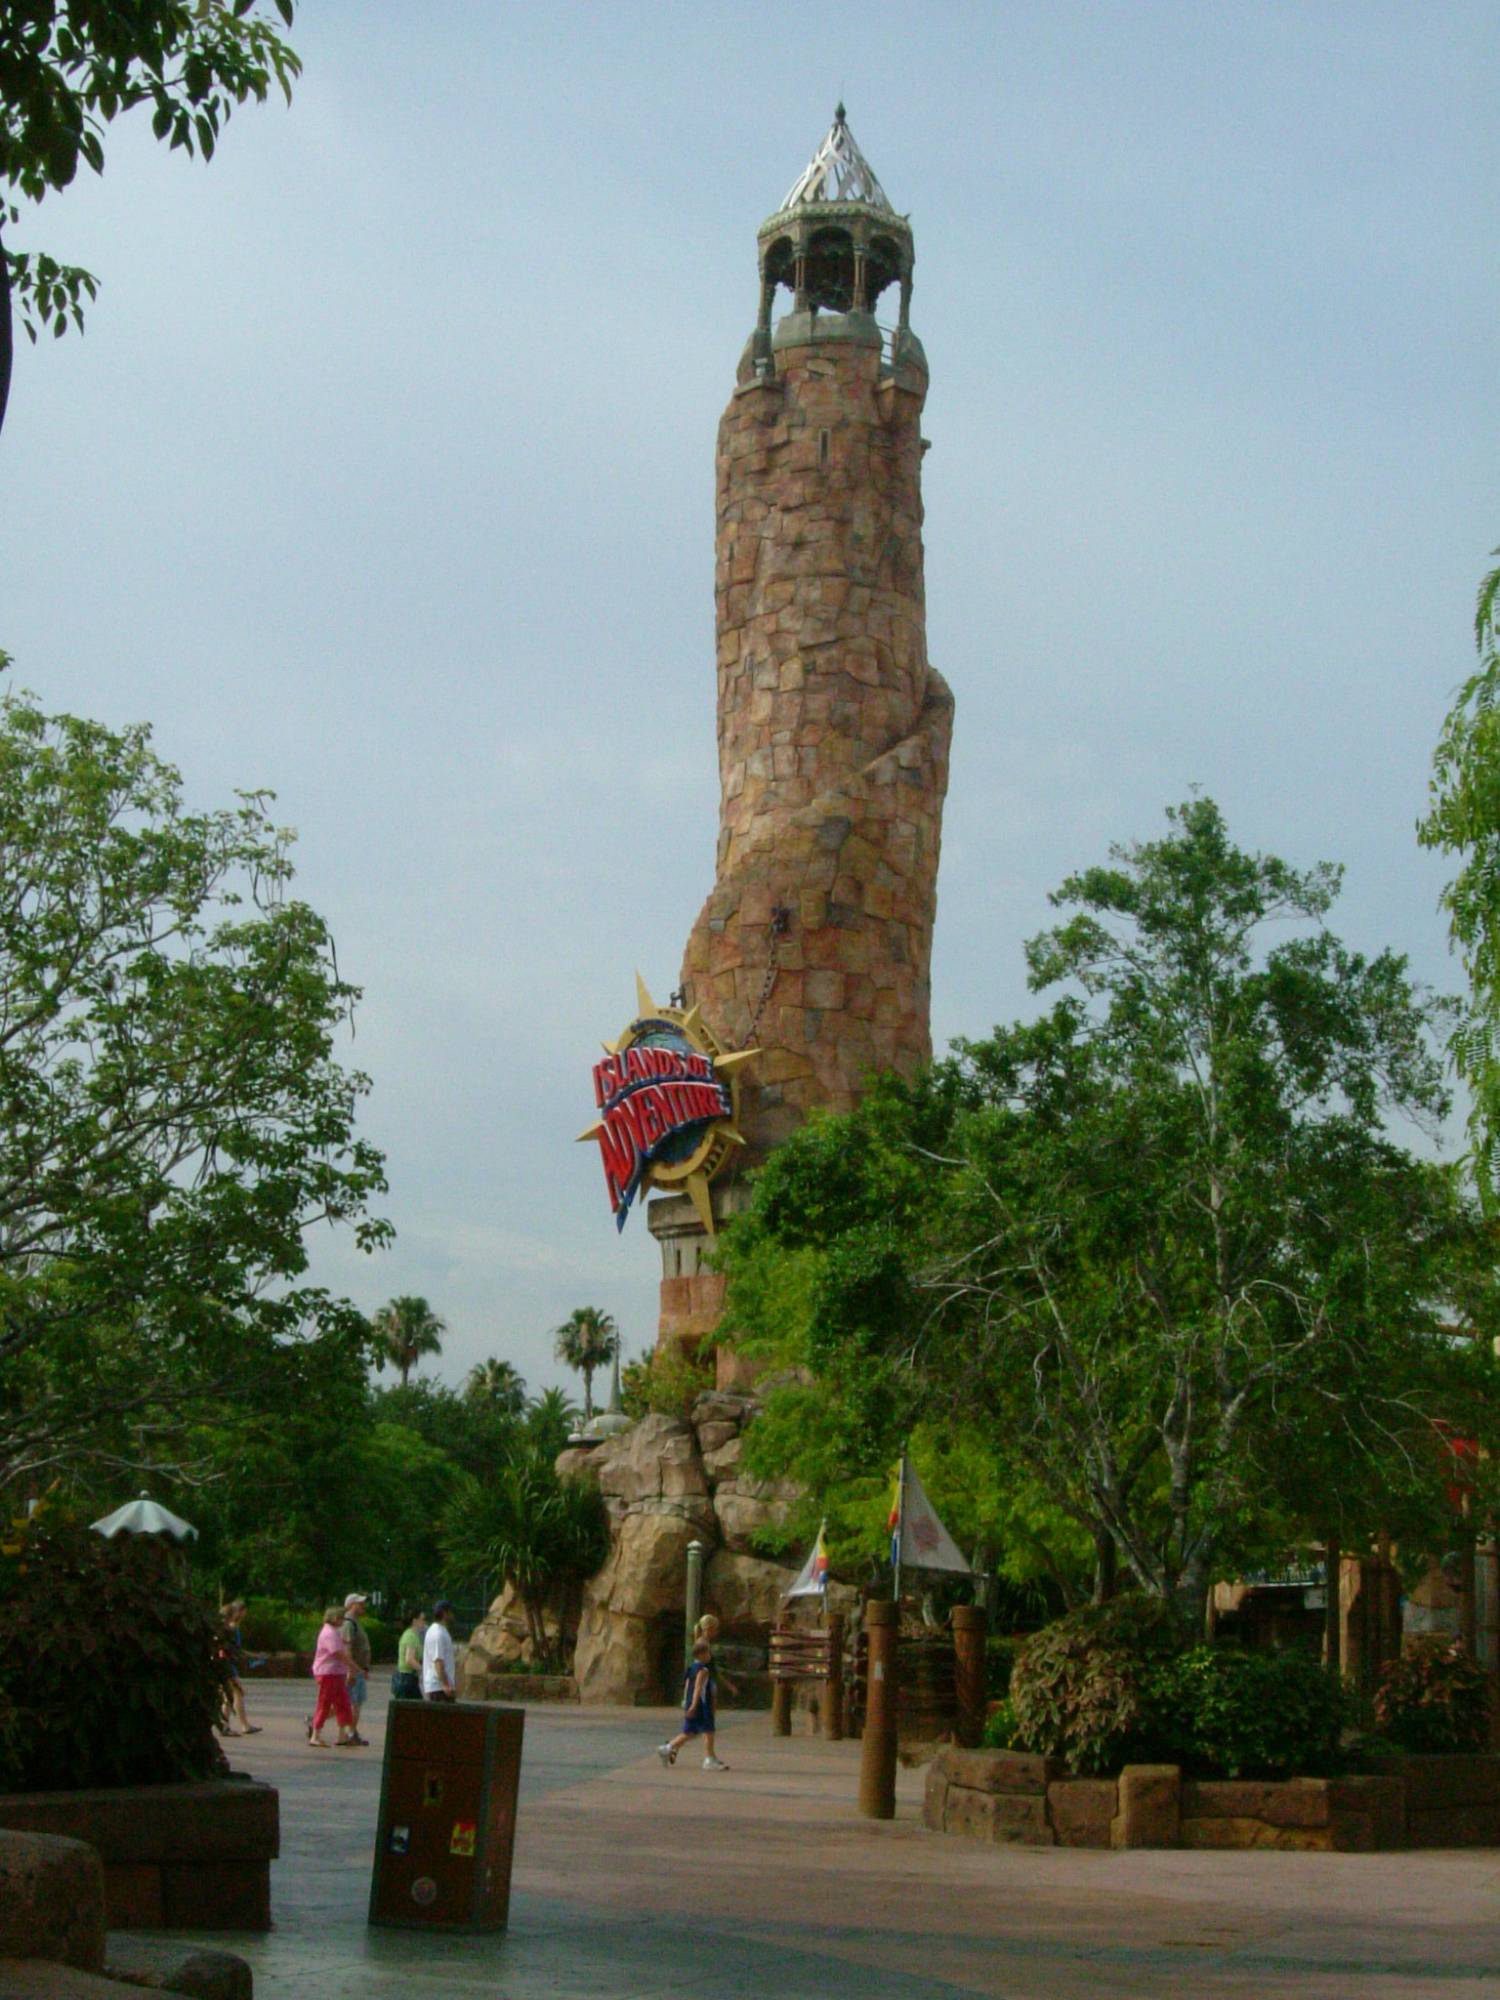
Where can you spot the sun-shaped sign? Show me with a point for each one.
(668, 1096)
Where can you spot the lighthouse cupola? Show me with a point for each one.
(836, 245)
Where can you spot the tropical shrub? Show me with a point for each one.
(1080, 1687)
(667, 1383)
(1434, 1698)
(530, 1529)
(113, 1668)
(999, 1663)
(1000, 1727)
(1223, 1712)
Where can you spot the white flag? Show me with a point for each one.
(925, 1542)
(812, 1578)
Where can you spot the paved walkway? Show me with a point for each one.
(763, 1881)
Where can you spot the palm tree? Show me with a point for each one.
(497, 1384)
(405, 1330)
(586, 1340)
(524, 1525)
(551, 1420)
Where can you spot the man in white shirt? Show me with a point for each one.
(439, 1668)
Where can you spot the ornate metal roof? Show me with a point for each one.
(838, 171)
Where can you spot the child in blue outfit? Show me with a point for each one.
(697, 1709)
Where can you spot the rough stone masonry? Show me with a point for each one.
(815, 943)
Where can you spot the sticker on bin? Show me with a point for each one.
(465, 1832)
(400, 1841)
(432, 1789)
(424, 1891)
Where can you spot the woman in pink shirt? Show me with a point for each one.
(332, 1666)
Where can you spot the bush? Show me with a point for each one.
(1079, 1686)
(667, 1382)
(271, 1625)
(999, 1663)
(1226, 1713)
(1000, 1727)
(1434, 1698)
(114, 1669)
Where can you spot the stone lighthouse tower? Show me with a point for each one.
(815, 942)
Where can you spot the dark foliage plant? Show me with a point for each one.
(1079, 1689)
(1434, 1698)
(113, 1668)
(1222, 1712)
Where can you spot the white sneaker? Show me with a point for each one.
(666, 1753)
(714, 1764)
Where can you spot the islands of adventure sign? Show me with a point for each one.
(668, 1098)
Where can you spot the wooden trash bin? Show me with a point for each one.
(447, 1828)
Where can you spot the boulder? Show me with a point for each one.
(721, 1461)
(613, 1662)
(729, 1407)
(656, 1459)
(51, 1900)
(746, 1593)
(647, 1567)
(744, 1508)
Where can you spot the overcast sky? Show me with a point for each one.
(383, 477)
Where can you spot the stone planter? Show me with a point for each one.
(176, 1857)
(1006, 1796)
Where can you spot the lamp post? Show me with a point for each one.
(695, 1555)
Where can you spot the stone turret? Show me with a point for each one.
(815, 943)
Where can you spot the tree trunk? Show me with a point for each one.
(588, 1393)
(1106, 1566)
(7, 335)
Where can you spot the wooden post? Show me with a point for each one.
(833, 1687)
(1352, 1608)
(1489, 1649)
(1331, 1605)
(781, 1708)
(1468, 1606)
(877, 1763)
(969, 1673)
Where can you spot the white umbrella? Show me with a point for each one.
(145, 1517)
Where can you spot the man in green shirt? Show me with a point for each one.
(406, 1682)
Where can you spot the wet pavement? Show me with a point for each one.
(764, 1881)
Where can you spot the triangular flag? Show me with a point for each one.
(925, 1542)
(812, 1578)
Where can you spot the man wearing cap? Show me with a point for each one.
(358, 1641)
(439, 1668)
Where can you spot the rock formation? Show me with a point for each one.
(665, 1482)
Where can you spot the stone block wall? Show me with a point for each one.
(1010, 1796)
(176, 1857)
(833, 737)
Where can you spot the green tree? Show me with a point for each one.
(527, 1528)
(1156, 1241)
(69, 68)
(498, 1384)
(405, 1329)
(1464, 820)
(173, 1115)
(587, 1339)
(551, 1420)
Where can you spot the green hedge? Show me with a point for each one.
(271, 1625)
(1116, 1684)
